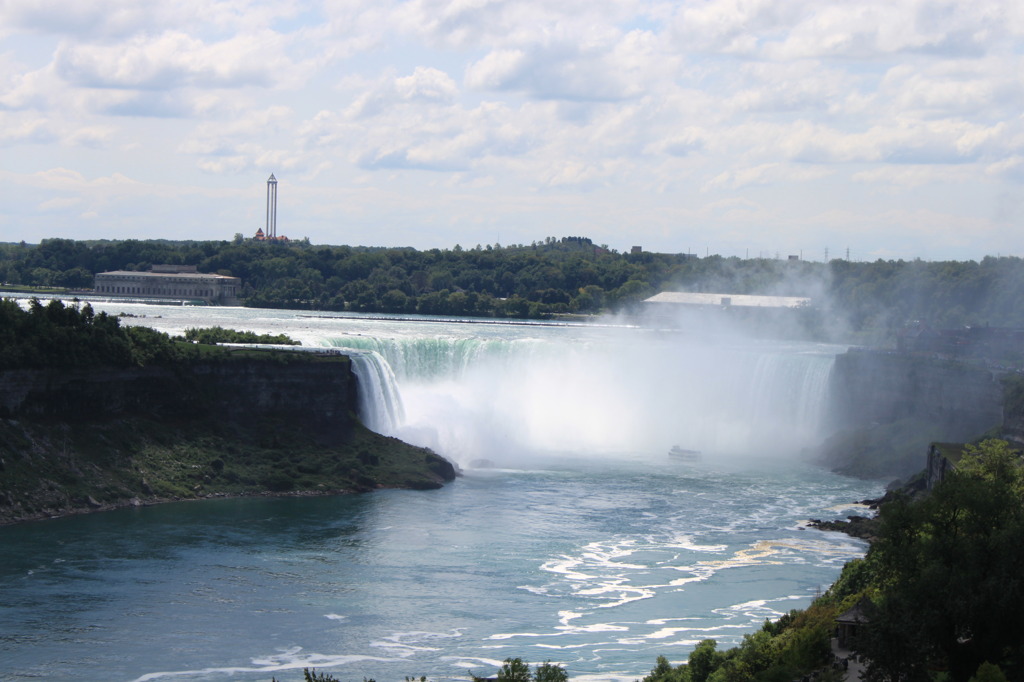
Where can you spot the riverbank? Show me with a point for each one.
(50, 468)
(855, 525)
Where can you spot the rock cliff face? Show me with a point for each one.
(281, 424)
(319, 395)
(871, 388)
(886, 408)
(941, 460)
(1013, 409)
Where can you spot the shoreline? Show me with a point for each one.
(94, 507)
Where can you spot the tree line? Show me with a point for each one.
(53, 335)
(564, 276)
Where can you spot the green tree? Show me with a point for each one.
(989, 672)
(704, 660)
(550, 672)
(664, 672)
(514, 670)
(952, 588)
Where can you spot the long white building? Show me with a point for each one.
(179, 282)
(680, 298)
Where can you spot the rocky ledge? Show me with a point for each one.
(96, 439)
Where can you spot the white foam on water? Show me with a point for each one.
(469, 662)
(407, 643)
(291, 659)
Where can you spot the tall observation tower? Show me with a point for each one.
(271, 232)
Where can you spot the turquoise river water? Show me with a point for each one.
(570, 536)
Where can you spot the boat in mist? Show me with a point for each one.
(683, 455)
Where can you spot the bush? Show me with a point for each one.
(514, 670)
(278, 482)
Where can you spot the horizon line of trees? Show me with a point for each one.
(564, 276)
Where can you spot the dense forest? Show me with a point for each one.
(53, 335)
(570, 275)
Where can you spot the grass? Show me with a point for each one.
(50, 468)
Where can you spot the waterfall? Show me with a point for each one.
(427, 358)
(592, 395)
(380, 403)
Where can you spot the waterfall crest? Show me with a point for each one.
(470, 398)
(425, 358)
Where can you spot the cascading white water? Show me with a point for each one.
(506, 399)
(380, 403)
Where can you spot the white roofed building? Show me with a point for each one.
(176, 282)
(680, 298)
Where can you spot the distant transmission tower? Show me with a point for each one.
(271, 231)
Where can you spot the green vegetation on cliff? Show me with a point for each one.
(215, 335)
(49, 468)
(795, 645)
(944, 576)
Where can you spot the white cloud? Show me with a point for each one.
(65, 179)
(445, 138)
(899, 178)
(985, 88)
(687, 141)
(60, 204)
(767, 174)
(426, 86)
(733, 27)
(91, 136)
(28, 89)
(805, 86)
(617, 67)
(101, 18)
(111, 20)
(173, 60)
(249, 143)
(463, 24)
(580, 114)
(17, 128)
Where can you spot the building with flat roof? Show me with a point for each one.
(176, 282)
(681, 298)
(711, 313)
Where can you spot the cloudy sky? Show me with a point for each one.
(892, 128)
